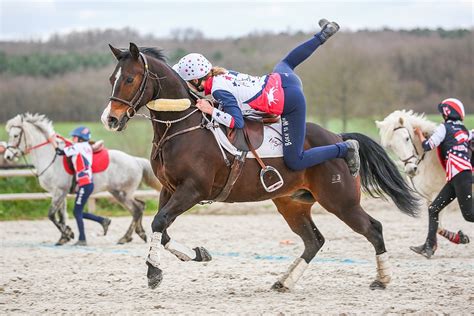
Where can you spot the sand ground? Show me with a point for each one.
(248, 256)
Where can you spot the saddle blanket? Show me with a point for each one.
(272, 146)
(100, 162)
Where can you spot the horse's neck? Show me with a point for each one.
(172, 87)
(41, 157)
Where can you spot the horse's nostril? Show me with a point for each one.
(112, 121)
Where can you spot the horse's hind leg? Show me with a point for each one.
(139, 207)
(361, 222)
(298, 217)
(135, 208)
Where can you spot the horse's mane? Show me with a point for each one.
(39, 120)
(406, 118)
(149, 51)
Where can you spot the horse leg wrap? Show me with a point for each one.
(384, 270)
(154, 252)
(295, 271)
(182, 252)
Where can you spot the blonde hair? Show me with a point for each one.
(216, 71)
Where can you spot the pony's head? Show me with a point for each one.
(20, 131)
(132, 86)
(397, 133)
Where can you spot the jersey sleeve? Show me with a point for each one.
(436, 139)
(70, 151)
(231, 116)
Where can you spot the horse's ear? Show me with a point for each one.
(400, 120)
(378, 124)
(134, 51)
(117, 52)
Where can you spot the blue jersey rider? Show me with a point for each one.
(452, 138)
(278, 93)
(81, 155)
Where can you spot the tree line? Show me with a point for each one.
(355, 74)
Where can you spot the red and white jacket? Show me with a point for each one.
(239, 93)
(81, 155)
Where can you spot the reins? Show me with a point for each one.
(30, 149)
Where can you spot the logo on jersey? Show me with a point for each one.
(461, 137)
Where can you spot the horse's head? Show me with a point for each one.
(16, 145)
(130, 90)
(398, 135)
(25, 131)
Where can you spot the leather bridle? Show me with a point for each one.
(138, 96)
(416, 155)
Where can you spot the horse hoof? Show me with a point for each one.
(463, 238)
(143, 237)
(202, 255)
(377, 285)
(278, 286)
(62, 240)
(154, 275)
(124, 240)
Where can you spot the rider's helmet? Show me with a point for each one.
(451, 109)
(82, 132)
(193, 66)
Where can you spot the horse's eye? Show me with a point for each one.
(129, 79)
(407, 139)
(15, 136)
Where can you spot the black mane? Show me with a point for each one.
(151, 51)
(154, 52)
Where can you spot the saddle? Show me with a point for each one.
(246, 139)
(252, 134)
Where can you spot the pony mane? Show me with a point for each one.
(406, 118)
(39, 120)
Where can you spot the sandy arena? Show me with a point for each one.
(251, 247)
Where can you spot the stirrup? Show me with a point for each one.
(275, 186)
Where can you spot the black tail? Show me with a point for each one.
(379, 175)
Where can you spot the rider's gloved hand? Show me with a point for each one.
(59, 152)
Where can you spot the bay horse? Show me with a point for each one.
(191, 168)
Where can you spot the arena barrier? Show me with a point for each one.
(8, 173)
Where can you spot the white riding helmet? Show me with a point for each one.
(192, 66)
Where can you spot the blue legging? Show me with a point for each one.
(81, 199)
(294, 114)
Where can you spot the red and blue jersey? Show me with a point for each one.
(81, 155)
(238, 93)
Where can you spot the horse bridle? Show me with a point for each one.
(417, 155)
(29, 149)
(138, 96)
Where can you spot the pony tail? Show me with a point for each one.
(216, 71)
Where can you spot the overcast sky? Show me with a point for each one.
(34, 19)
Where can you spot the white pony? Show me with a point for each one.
(30, 133)
(424, 170)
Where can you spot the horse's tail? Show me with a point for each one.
(379, 175)
(148, 175)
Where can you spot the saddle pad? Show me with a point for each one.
(272, 146)
(100, 162)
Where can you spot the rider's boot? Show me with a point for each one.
(352, 158)
(328, 29)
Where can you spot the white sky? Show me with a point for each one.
(34, 19)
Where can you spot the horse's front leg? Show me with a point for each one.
(171, 206)
(58, 203)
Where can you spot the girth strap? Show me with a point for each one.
(234, 174)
